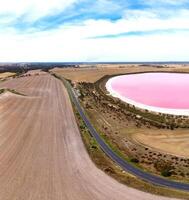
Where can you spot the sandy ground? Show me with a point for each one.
(42, 156)
(175, 142)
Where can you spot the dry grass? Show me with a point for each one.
(6, 75)
(92, 74)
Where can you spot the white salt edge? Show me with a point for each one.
(183, 112)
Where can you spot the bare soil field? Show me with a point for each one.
(42, 156)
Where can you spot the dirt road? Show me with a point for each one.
(42, 156)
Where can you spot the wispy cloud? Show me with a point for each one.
(141, 33)
(43, 14)
(47, 14)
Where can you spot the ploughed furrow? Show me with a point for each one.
(42, 156)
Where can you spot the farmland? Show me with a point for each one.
(42, 155)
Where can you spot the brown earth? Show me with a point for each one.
(42, 156)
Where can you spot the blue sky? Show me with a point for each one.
(94, 30)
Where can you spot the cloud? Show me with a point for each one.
(167, 2)
(99, 30)
(141, 33)
(57, 47)
(33, 9)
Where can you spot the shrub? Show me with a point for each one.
(166, 173)
(82, 127)
(134, 160)
(164, 167)
(94, 147)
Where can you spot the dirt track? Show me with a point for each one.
(42, 156)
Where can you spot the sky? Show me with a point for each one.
(94, 30)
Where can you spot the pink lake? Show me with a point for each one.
(159, 92)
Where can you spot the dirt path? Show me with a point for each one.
(42, 156)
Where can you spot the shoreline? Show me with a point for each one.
(112, 92)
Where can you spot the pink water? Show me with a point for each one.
(163, 90)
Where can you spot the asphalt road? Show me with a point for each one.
(156, 180)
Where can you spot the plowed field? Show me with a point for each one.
(42, 156)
